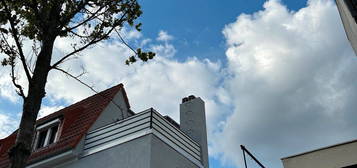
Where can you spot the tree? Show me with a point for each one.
(40, 22)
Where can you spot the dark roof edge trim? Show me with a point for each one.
(318, 149)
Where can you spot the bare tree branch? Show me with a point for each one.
(75, 51)
(35, 53)
(94, 41)
(12, 55)
(90, 87)
(124, 42)
(76, 78)
(20, 90)
(85, 20)
(67, 19)
(14, 34)
(78, 35)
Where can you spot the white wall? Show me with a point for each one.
(331, 157)
(116, 110)
(144, 152)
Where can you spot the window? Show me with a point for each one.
(352, 6)
(47, 134)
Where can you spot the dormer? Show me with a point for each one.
(47, 134)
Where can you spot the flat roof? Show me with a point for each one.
(318, 149)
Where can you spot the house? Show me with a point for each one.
(343, 155)
(102, 131)
(348, 14)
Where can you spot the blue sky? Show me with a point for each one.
(276, 76)
(197, 25)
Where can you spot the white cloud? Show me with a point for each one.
(293, 84)
(164, 50)
(46, 110)
(290, 86)
(165, 82)
(7, 125)
(7, 90)
(105, 67)
(159, 83)
(164, 36)
(132, 35)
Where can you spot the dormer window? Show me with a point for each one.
(47, 133)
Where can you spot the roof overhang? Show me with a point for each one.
(349, 23)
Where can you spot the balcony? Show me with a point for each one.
(141, 124)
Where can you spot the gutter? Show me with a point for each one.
(55, 160)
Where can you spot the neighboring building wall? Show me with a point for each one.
(337, 156)
(163, 156)
(349, 23)
(112, 112)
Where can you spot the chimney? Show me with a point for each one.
(193, 123)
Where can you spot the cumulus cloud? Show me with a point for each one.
(7, 125)
(159, 83)
(165, 82)
(164, 50)
(289, 85)
(294, 83)
(46, 110)
(164, 36)
(146, 83)
(7, 90)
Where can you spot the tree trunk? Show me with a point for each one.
(21, 151)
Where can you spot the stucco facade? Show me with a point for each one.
(144, 152)
(342, 155)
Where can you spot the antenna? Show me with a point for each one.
(251, 155)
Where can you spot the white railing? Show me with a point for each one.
(140, 124)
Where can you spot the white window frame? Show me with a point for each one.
(48, 128)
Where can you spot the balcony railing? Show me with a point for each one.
(141, 124)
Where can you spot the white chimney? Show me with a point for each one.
(193, 123)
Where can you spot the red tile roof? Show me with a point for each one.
(75, 122)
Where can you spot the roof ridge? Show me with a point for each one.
(119, 86)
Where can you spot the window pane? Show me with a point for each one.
(53, 134)
(41, 139)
